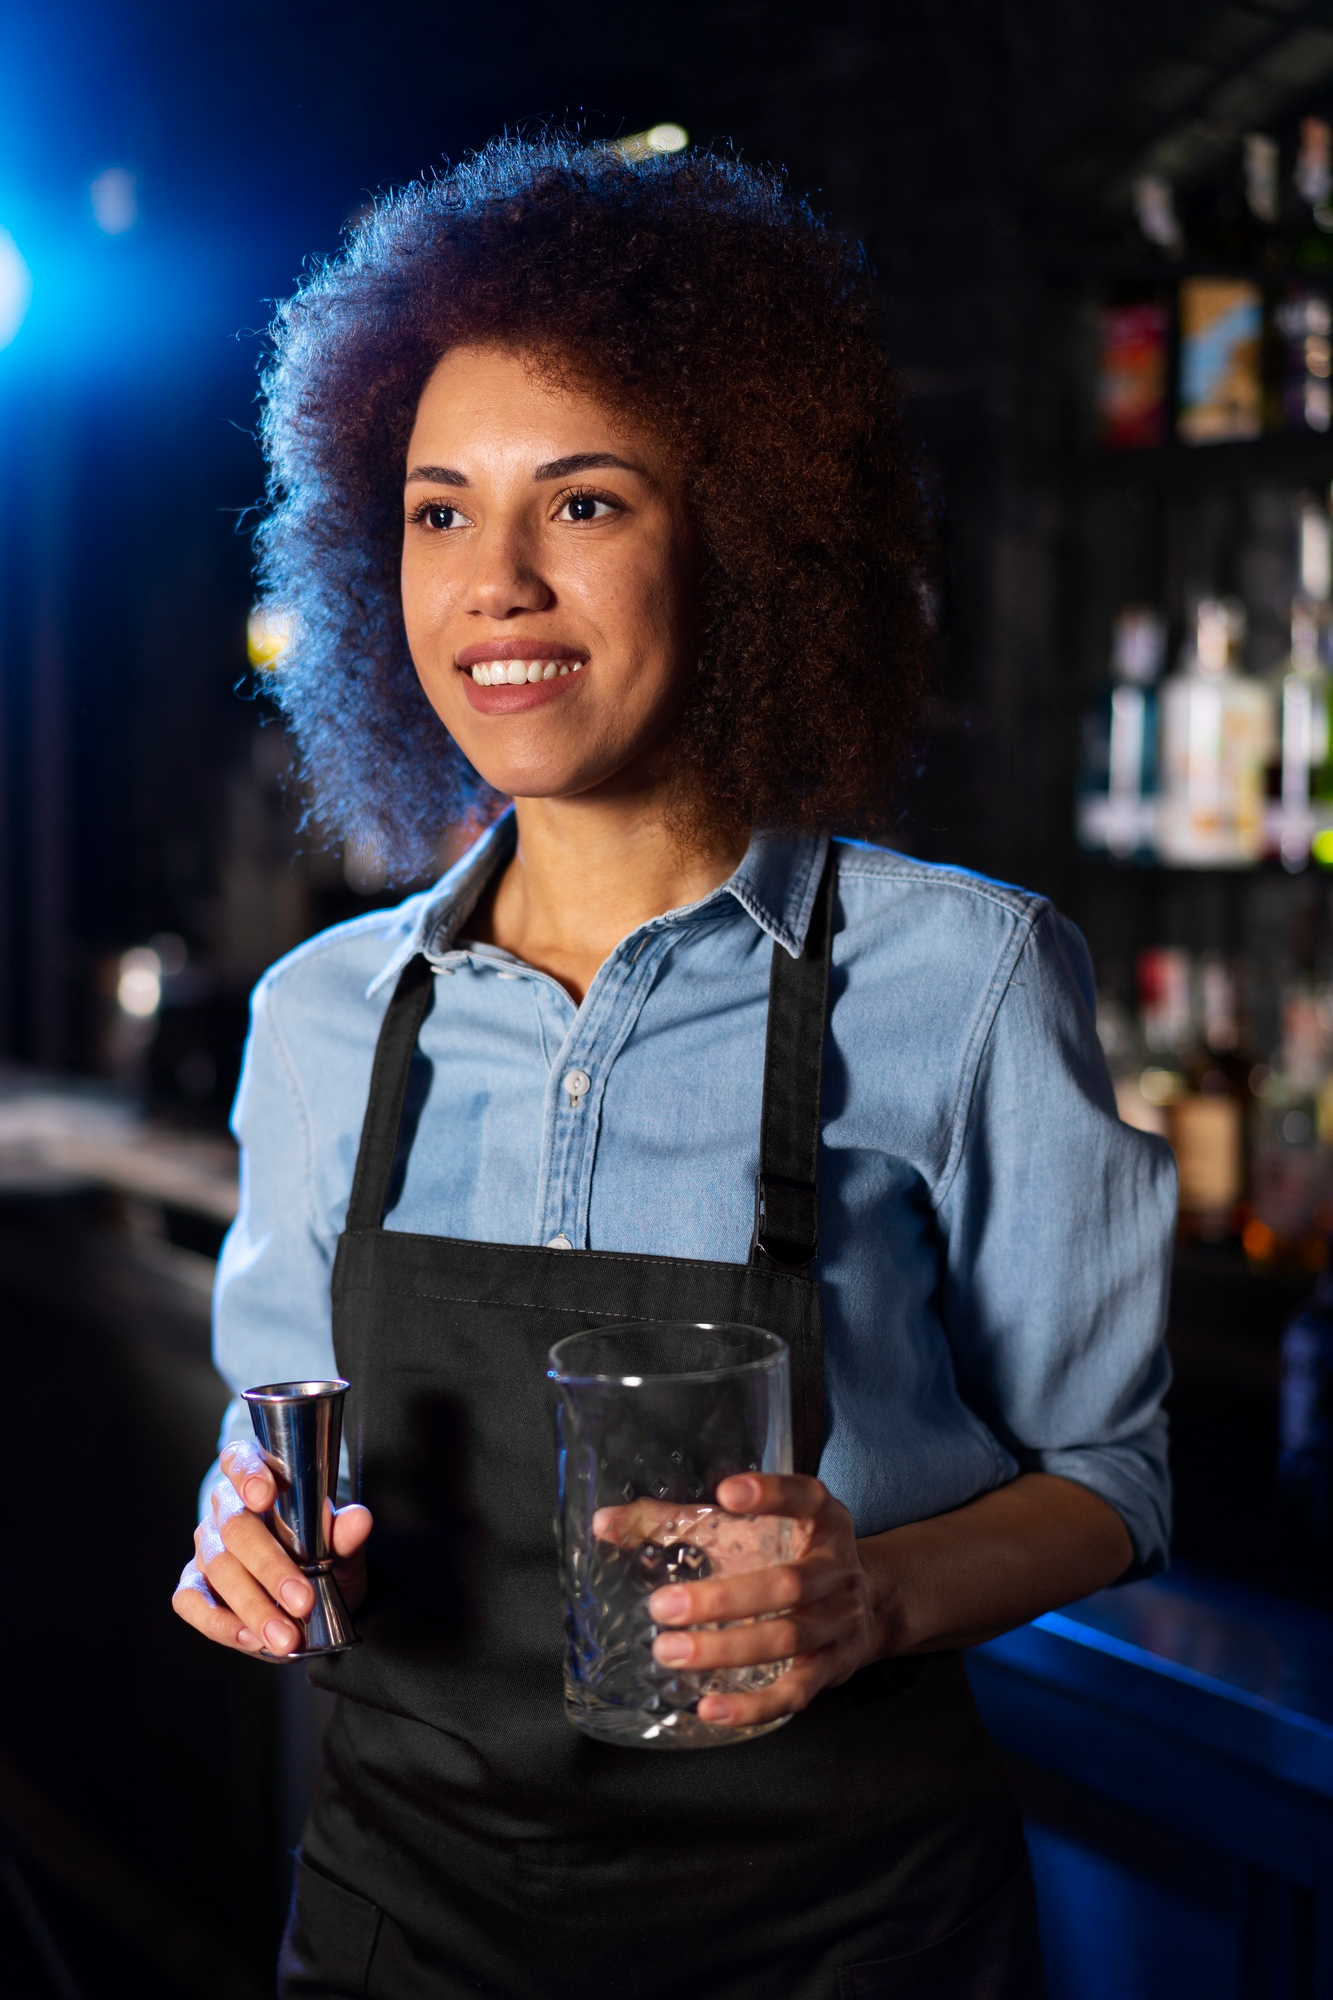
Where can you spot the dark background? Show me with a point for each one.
(135, 794)
(982, 149)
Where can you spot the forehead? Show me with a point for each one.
(503, 398)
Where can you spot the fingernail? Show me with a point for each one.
(255, 1491)
(718, 1711)
(668, 1604)
(245, 1637)
(747, 1491)
(278, 1636)
(673, 1649)
(294, 1595)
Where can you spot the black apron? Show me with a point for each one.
(464, 1838)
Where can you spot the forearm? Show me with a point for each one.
(962, 1577)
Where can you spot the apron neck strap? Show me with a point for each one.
(388, 1089)
(786, 1201)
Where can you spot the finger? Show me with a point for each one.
(788, 1695)
(791, 1493)
(248, 1541)
(193, 1601)
(235, 1586)
(245, 1466)
(641, 1520)
(754, 1645)
(351, 1527)
(760, 1641)
(753, 1594)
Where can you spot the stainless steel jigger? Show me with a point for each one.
(299, 1428)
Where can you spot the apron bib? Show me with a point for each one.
(465, 1838)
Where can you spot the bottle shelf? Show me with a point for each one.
(1126, 829)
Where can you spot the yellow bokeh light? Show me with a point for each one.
(268, 633)
(665, 138)
(1322, 847)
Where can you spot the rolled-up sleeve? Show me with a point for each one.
(1058, 1226)
(271, 1311)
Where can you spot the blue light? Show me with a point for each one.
(15, 288)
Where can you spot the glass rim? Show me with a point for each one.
(557, 1372)
(294, 1392)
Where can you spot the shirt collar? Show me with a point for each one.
(776, 884)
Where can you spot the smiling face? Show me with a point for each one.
(548, 579)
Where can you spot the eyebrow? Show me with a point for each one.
(554, 468)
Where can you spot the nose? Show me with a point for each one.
(505, 577)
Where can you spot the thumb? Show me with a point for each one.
(351, 1527)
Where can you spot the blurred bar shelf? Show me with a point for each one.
(57, 1135)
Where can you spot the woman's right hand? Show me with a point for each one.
(241, 1583)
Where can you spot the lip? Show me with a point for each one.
(514, 700)
(517, 649)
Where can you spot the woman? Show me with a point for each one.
(589, 495)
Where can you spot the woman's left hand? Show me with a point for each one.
(814, 1609)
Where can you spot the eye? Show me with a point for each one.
(438, 515)
(586, 507)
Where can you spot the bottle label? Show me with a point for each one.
(1131, 377)
(1206, 1135)
(1221, 380)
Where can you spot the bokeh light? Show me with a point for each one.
(15, 288)
(268, 634)
(114, 195)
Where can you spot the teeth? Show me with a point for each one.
(518, 673)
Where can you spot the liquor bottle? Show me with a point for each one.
(1133, 337)
(1148, 1099)
(1301, 765)
(1117, 803)
(1217, 727)
(1208, 1123)
(1261, 167)
(1121, 1036)
(1247, 210)
(1300, 775)
(1155, 213)
(1305, 1409)
(1197, 1079)
(1303, 323)
(1221, 360)
(1291, 1161)
(1310, 219)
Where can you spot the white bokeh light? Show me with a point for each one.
(15, 288)
(114, 195)
(139, 986)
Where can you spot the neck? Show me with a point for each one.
(586, 873)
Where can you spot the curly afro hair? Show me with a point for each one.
(698, 295)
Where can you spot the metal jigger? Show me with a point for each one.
(299, 1428)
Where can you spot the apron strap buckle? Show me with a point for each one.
(786, 1222)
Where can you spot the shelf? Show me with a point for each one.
(1177, 467)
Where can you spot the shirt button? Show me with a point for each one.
(577, 1085)
(560, 1242)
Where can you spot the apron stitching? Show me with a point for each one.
(497, 1305)
(597, 1256)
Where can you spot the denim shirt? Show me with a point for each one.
(994, 1244)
